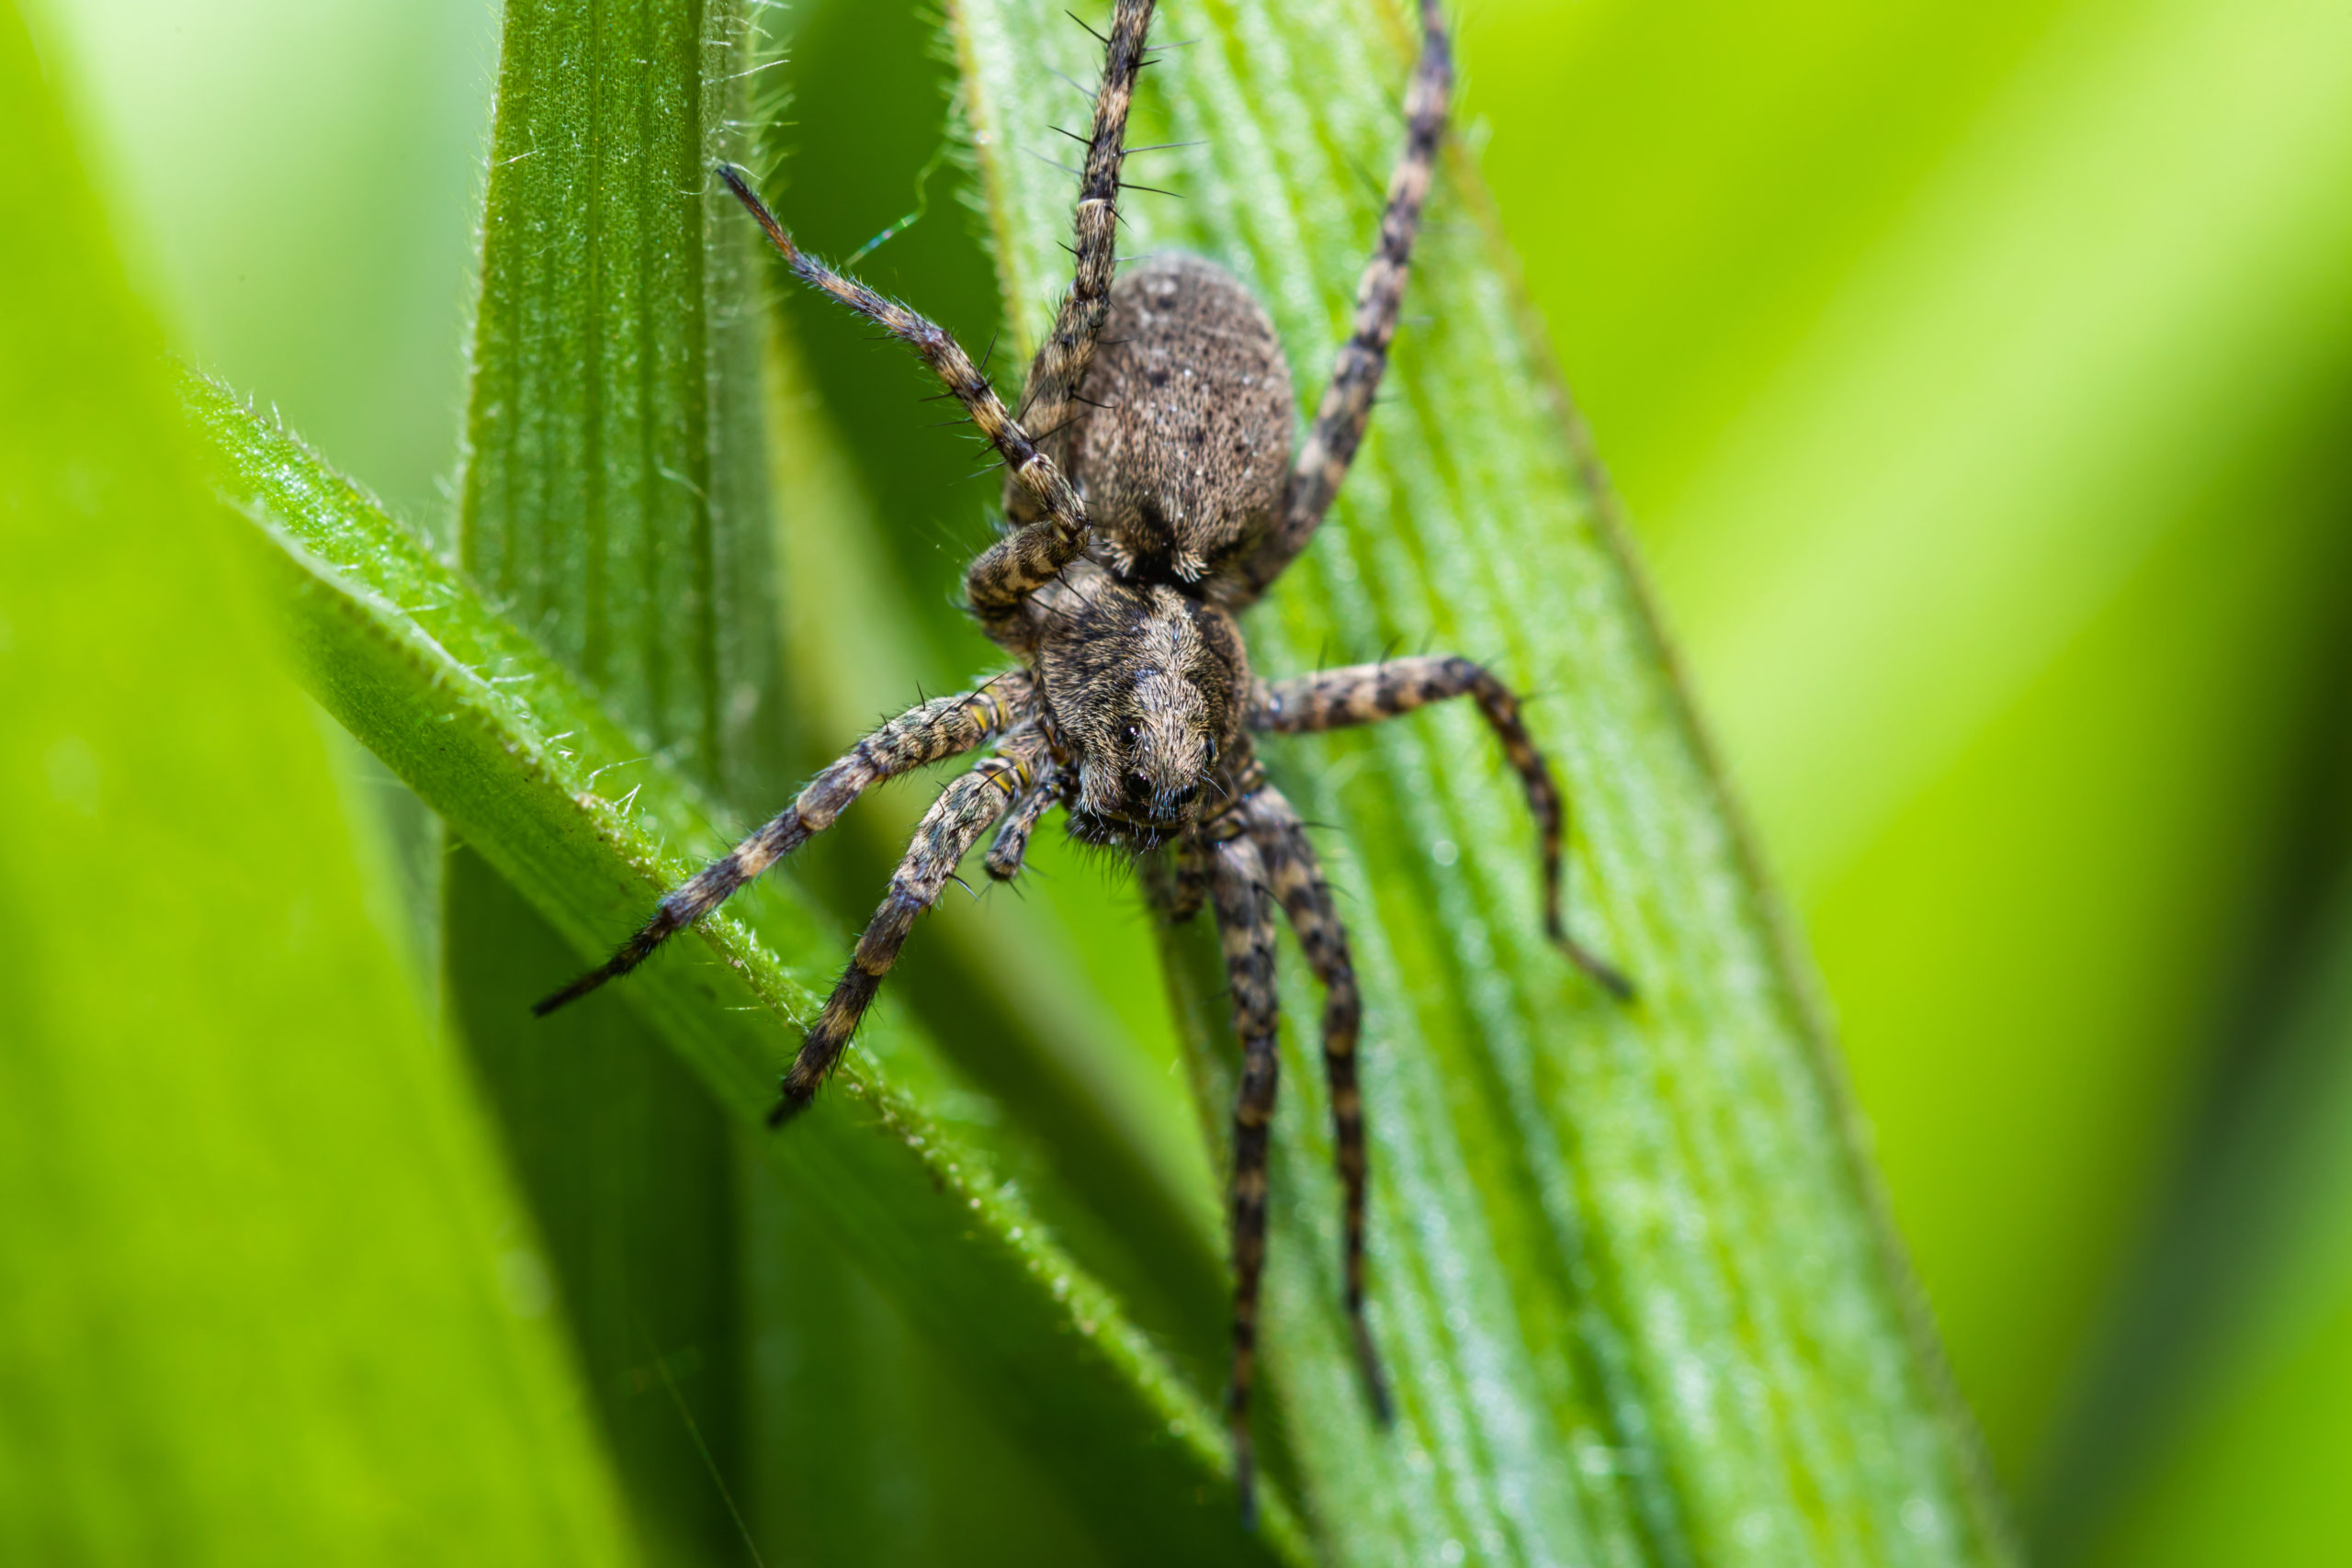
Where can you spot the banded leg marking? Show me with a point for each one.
(1055, 376)
(1366, 693)
(1011, 846)
(1296, 876)
(1188, 883)
(945, 727)
(1014, 565)
(1346, 409)
(1246, 930)
(963, 810)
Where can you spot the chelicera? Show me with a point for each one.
(1152, 490)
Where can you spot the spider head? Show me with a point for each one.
(1144, 686)
(1162, 748)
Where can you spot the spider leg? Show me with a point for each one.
(1246, 928)
(1060, 366)
(963, 810)
(1010, 845)
(1366, 693)
(945, 727)
(1298, 879)
(1014, 565)
(1346, 410)
(1188, 884)
(1175, 878)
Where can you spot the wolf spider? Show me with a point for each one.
(1158, 496)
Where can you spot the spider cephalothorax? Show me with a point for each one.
(1162, 496)
(1142, 686)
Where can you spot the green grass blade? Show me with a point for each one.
(2225, 1407)
(251, 1305)
(555, 796)
(614, 497)
(612, 503)
(1106, 1135)
(1639, 1302)
(1979, 378)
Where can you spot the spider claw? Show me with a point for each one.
(1375, 1382)
(1602, 973)
(571, 993)
(665, 923)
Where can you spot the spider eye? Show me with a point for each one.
(1212, 751)
(1135, 732)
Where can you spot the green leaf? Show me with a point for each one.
(1031, 988)
(612, 503)
(1088, 1109)
(261, 1297)
(613, 495)
(563, 804)
(1631, 1284)
(1976, 374)
(1630, 1279)
(2227, 1400)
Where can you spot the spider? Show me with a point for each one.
(1151, 492)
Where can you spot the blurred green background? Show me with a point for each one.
(1976, 378)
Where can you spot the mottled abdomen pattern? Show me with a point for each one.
(1182, 444)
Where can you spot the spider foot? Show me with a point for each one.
(1244, 1480)
(1376, 1382)
(1604, 973)
(570, 994)
(673, 915)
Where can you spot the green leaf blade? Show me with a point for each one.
(524, 766)
(256, 1289)
(611, 498)
(1741, 1370)
(612, 504)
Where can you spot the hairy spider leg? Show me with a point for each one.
(1296, 876)
(1049, 397)
(1246, 929)
(965, 809)
(1011, 846)
(1016, 565)
(1346, 410)
(1188, 881)
(930, 732)
(1367, 694)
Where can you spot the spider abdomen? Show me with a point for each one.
(1182, 446)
